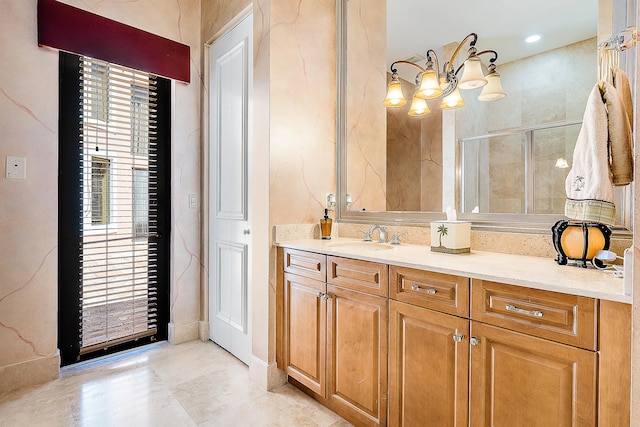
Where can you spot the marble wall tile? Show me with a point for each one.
(29, 121)
(550, 97)
(217, 13)
(366, 77)
(431, 163)
(294, 126)
(414, 156)
(532, 244)
(302, 108)
(28, 208)
(404, 155)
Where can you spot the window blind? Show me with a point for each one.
(118, 210)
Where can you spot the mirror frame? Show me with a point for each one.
(521, 223)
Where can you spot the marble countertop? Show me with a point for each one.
(520, 270)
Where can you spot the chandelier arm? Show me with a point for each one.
(395, 70)
(453, 83)
(472, 44)
(437, 67)
(495, 55)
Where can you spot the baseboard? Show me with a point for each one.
(183, 332)
(204, 333)
(266, 375)
(29, 373)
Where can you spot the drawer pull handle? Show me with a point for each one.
(429, 291)
(534, 313)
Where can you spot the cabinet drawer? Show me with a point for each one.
(364, 276)
(442, 292)
(559, 317)
(307, 264)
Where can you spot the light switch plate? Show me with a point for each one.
(16, 167)
(193, 201)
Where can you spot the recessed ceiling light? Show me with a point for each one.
(533, 38)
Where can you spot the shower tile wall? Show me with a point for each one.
(547, 88)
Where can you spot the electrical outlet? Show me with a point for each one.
(330, 200)
(16, 167)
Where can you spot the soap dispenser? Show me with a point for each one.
(325, 226)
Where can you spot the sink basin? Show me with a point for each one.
(375, 246)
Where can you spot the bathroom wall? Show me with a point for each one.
(294, 134)
(28, 208)
(365, 130)
(414, 156)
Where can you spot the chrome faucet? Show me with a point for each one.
(382, 233)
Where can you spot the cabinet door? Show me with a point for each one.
(357, 369)
(304, 337)
(519, 380)
(428, 369)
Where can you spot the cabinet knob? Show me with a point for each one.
(323, 295)
(474, 341)
(458, 337)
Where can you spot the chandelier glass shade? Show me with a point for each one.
(419, 107)
(395, 97)
(429, 85)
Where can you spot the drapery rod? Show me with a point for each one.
(625, 39)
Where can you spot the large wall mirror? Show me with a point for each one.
(501, 164)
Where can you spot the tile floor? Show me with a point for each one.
(191, 384)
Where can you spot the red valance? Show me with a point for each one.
(74, 30)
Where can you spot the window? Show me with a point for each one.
(96, 90)
(140, 120)
(140, 203)
(113, 210)
(99, 190)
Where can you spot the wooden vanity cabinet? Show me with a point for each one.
(521, 380)
(357, 355)
(358, 325)
(302, 318)
(333, 334)
(428, 349)
(459, 352)
(306, 331)
(428, 367)
(533, 357)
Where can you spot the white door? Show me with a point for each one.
(231, 76)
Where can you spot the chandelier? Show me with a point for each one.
(430, 84)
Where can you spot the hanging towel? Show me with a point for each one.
(620, 139)
(588, 184)
(621, 82)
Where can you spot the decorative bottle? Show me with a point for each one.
(325, 226)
